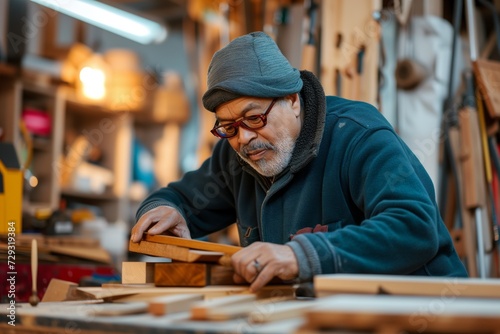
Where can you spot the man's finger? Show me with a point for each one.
(139, 229)
(262, 279)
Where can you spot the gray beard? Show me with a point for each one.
(283, 149)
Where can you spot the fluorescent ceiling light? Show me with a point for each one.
(110, 18)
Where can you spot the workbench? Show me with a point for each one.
(76, 317)
(348, 313)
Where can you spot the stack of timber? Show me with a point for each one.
(351, 303)
(194, 263)
(397, 304)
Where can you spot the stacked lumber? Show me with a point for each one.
(396, 304)
(370, 303)
(402, 314)
(193, 263)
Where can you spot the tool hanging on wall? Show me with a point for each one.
(467, 159)
(409, 72)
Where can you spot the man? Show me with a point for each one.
(316, 185)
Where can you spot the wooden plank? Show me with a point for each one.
(110, 310)
(411, 286)
(95, 253)
(281, 311)
(200, 311)
(487, 74)
(138, 272)
(178, 253)
(192, 244)
(172, 304)
(192, 274)
(405, 314)
(122, 294)
(244, 310)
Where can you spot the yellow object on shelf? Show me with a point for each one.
(11, 190)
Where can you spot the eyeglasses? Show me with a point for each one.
(253, 122)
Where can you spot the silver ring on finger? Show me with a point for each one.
(257, 266)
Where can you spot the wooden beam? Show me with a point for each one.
(397, 314)
(450, 287)
(178, 253)
(192, 274)
(192, 244)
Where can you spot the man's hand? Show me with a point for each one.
(158, 220)
(261, 261)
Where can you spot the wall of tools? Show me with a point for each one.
(432, 68)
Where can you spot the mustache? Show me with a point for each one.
(254, 147)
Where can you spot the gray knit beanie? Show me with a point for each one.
(251, 65)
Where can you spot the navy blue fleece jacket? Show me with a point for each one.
(351, 180)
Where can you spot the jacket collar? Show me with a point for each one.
(307, 145)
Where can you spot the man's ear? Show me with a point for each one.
(295, 102)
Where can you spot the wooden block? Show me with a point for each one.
(200, 311)
(172, 304)
(192, 244)
(138, 272)
(406, 285)
(192, 274)
(178, 253)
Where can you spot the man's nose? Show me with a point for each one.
(245, 135)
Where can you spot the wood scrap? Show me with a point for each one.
(61, 290)
(172, 304)
(192, 274)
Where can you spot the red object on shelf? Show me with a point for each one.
(37, 122)
(21, 280)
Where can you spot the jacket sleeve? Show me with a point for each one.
(203, 196)
(399, 233)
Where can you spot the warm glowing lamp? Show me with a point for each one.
(91, 83)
